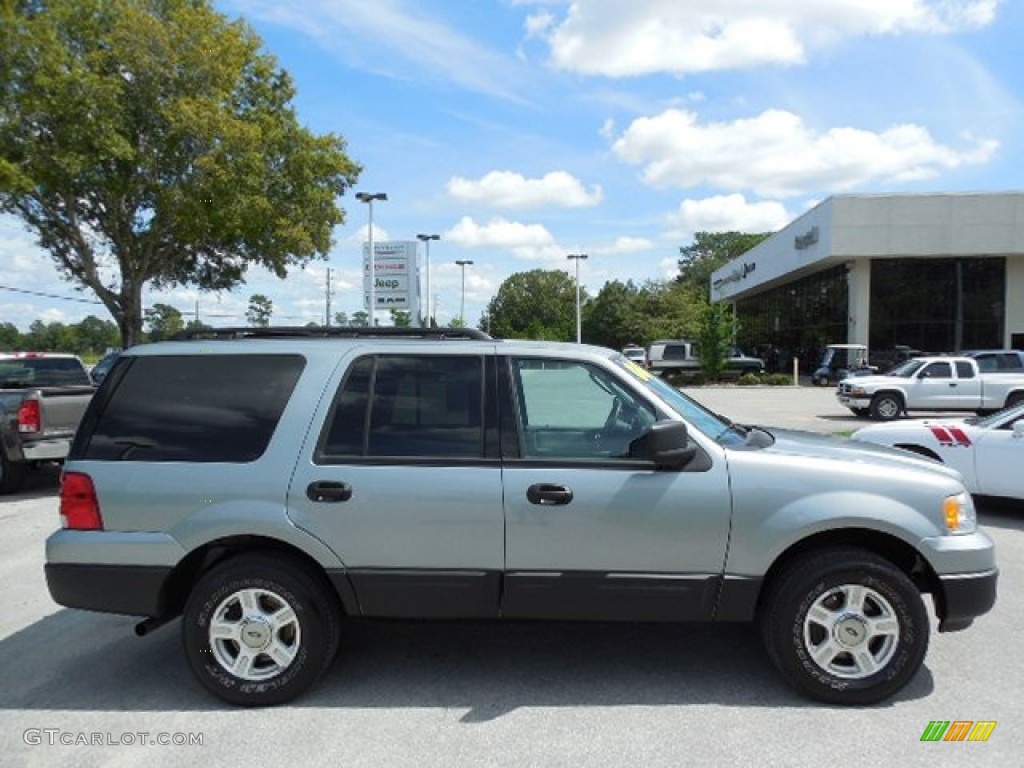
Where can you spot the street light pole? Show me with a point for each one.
(366, 197)
(462, 312)
(578, 257)
(425, 322)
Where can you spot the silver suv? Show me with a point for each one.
(265, 483)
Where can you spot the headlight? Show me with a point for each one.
(958, 512)
(857, 392)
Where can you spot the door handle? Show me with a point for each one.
(329, 491)
(547, 495)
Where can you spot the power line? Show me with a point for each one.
(48, 295)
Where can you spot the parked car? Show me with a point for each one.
(668, 356)
(262, 483)
(637, 354)
(42, 399)
(997, 360)
(102, 368)
(930, 384)
(884, 360)
(840, 361)
(988, 452)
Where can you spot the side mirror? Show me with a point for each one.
(667, 444)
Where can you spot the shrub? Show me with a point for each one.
(748, 379)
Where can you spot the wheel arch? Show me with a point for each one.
(920, 450)
(891, 548)
(202, 559)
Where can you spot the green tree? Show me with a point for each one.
(259, 311)
(157, 133)
(400, 318)
(341, 319)
(95, 335)
(708, 252)
(163, 322)
(360, 319)
(539, 304)
(10, 337)
(614, 318)
(716, 331)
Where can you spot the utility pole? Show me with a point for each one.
(328, 314)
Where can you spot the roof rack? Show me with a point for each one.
(312, 332)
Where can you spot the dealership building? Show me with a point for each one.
(935, 272)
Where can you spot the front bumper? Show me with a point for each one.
(848, 401)
(963, 597)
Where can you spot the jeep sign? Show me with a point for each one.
(396, 276)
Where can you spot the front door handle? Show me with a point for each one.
(329, 491)
(548, 495)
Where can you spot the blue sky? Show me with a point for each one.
(525, 130)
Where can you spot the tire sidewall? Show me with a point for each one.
(299, 675)
(877, 402)
(795, 657)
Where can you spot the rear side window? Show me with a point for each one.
(208, 408)
(964, 370)
(42, 372)
(422, 407)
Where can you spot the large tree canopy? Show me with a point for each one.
(539, 304)
(150, 141)
(708, 252)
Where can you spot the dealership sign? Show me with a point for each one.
(396, 278)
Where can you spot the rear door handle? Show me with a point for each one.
(548, 495)
(329, 491)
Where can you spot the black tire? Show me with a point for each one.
(886, 406)
(887, 626)
(12, 474)
(1015, 398)
(305, 645)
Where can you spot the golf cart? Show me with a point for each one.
(840, 361)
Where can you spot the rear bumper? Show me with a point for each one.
(135, 590)
(965, 596)
(46, 450)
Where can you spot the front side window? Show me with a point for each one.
(408, 406)
(937, 371)
(196, 408)
(572, 410)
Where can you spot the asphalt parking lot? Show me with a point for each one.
(475, 694)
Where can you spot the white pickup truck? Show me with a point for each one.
(930, 384)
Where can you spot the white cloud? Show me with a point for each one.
(623, 245)
(777, 155)
(728, 213)
(619, 39)
(504, 189)
(498, 233)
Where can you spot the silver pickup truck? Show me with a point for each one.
(42, 399)
(930, 384)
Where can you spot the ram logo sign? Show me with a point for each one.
(396, 277)
(958, 730)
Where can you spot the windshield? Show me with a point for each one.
(711, 424)
(907, 369)
(1010, 415)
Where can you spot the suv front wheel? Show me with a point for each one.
(259, 631)
(845, 627)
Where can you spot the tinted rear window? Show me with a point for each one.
(42, 372)
(210, 408)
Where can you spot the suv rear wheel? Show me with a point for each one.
(845, 627)
(259, 631)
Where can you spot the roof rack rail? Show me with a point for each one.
(312, 332)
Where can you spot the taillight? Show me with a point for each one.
(79, 509)
(28, 416)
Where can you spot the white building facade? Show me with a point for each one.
(935, 272)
